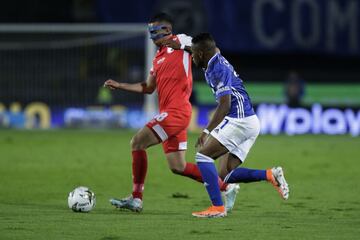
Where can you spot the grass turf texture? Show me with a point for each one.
(38, 169)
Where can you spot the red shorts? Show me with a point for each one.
(170, 128)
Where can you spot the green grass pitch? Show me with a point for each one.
(39, 168)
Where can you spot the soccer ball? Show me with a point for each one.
(81, 199)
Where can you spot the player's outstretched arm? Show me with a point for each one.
(144, 87)
(221, 111)
(177, 46)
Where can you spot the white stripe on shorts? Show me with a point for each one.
(182, 145)
(160, 132)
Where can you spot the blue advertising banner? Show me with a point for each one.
(306, 26)
(274, 119)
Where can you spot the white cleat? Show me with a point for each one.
(230, 196)
(133, 204)
(279, 182)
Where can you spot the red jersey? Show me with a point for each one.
(172, 70)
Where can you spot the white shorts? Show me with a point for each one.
(237, 134)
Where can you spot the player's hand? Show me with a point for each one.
(201, 140)
(111, 84)
(172, 44)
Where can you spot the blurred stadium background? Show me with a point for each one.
(300, 61)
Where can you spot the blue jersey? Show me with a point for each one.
(223, 80)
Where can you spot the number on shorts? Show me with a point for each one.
(161, 116)
(225, 122)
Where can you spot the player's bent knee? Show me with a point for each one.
(207, 153)
(213, 153)
(176, 170)
(137, 144)
(204, 150)
(177, 167)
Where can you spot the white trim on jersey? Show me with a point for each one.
(184, 39)
(186, 63)
(160, 132)
(240, 106)
(238, 110)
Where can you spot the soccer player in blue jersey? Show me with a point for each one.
(233, 128)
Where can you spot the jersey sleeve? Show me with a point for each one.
(152, 70)
(184, 39)
(223, 83)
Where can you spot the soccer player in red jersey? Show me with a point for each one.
(172, 77)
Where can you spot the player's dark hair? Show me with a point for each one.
(161, 17)
(205, 41)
